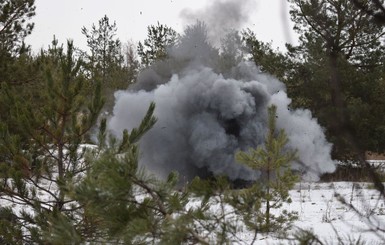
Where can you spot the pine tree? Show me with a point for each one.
(105, 49)
(340, 68)
(123, 203)
(106, 62)
(336, 72)
(14, 26)
(373, 8)
(265, 57)
(44, 155)
(131, 61)
(154, 47)
(231, 52)
(272, 161)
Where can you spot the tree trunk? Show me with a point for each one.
(337, 97)
(343, 128)
(268, 200)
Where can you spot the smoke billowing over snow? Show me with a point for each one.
(209, 104)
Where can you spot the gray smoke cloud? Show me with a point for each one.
(207, 109)
(220, 16)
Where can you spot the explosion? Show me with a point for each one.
(207, 109)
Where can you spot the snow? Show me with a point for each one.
(334, 222)
(321, 211)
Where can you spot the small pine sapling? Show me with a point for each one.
(272, 160)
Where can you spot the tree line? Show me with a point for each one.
(54, 190)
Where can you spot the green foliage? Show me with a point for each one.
(16, 64)
(105, 48)
(269, 60)
(272, 161)
(373, 8)
(336, 71)
(123, 203)
(109, 63)
(10, 229)
(55, 191)
(61, 230)
(42, 154)
(14, 26)
(340, 63)
(154, 47)
(342, 28)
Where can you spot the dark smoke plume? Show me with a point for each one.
(207, 109)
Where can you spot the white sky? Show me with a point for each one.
(64, 19)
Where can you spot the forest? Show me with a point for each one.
(135, 143)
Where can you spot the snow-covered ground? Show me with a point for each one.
(320, 210)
